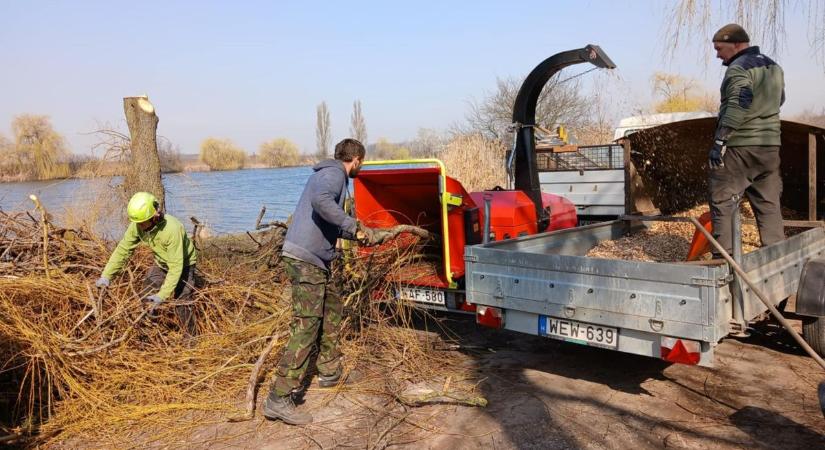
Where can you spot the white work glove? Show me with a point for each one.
(155, 301)
(102, 282)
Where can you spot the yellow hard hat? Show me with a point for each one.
(142, 207)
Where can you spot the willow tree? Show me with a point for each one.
(40, 152)
(692, 20)
(8, 159)
(222, 154)
(280, 152)
(680, 94)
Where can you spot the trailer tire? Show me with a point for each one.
(810, 295)
(813, 330)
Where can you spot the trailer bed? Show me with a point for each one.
(544, 281)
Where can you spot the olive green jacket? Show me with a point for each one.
(752, 92)
(170, 245)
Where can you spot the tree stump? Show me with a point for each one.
(144, 173)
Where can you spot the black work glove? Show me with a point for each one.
(717, 154)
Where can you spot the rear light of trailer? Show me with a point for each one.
(681, 351)
(463, 305)
(489, 316)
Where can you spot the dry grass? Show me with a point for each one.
(476, 161)
(73, 372)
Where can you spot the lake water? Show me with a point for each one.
(228, 201)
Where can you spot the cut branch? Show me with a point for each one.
(253, 381)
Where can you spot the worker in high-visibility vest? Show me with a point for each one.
(173, 276)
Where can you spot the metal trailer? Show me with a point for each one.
(544, 285)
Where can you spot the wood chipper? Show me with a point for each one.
(419, 192)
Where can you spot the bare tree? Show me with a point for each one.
(323, 133)
(428, 143)
(598, 128)
(559, 102)
(169, 154)
(764, 20)
(144, 173)
(358, 127)
(116, 148)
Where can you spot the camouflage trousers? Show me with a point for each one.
(317, 310)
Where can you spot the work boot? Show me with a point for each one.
(328, 381)
(277, 407)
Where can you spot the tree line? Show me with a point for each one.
(37, 152)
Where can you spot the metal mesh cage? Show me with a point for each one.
(594, 157)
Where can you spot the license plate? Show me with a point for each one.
(578, 332)
(430, 296)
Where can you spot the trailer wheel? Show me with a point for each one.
(813, 330)
(810, 302)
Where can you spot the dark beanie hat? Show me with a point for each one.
(731, 33)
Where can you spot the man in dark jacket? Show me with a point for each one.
(745, 153)
(309, 248)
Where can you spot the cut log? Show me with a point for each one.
(144, 173)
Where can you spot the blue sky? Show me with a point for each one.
(253, 71)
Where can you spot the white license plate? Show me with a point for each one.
(578, 332)
(430, 296)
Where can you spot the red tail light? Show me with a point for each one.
(681, 351)
(489, 316)
(464, 305)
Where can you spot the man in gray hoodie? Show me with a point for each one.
(309, 248)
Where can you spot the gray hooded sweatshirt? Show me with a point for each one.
(319, 218)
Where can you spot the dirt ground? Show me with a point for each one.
(552, 395)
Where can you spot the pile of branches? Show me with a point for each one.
(30, 244)
(85, 365)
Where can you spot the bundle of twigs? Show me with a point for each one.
(81, 364)
(30, 244)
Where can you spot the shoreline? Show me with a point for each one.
(4, 179)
